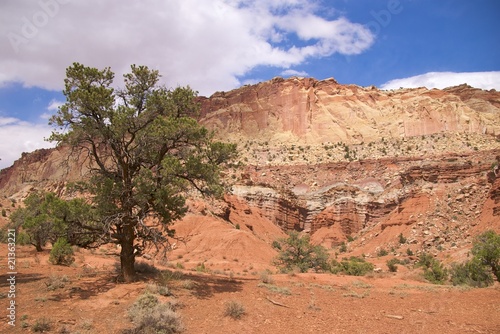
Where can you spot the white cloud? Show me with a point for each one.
(294, 73)
(483, 80)
(206, 44)
(54, 105)
(17, 136)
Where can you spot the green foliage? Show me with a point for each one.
(4, 213)
(392, 264)
(276, 245)
(434, 271)
(382, 252)
(354, 266)
(296, 252)
(486, 249)
(409, 252)
(45, 217)
(61, 253)
(343, 247)
(471, 273)
(402, 239)
(479, 271)
(146, 150)
(425, 260)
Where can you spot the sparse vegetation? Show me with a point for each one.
(382, 252)
(282, 290)
(151, 316)
(265, 277)
(42, 325)
(56, 282)
(354, 266)
(234, 309)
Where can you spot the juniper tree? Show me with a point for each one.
(45, 217)
(145, 150)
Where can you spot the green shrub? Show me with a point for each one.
(382, 252)
(434, 271)
(22, 239)
(425, 260)
(61, 253)
(479, 271)
(392, 264)
(297, 253)
(343, 247)
(276, 245)
(353, 266)
(4, 213)
(402, 239)
(472, 273)
(486, 249)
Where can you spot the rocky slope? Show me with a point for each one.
(341, 162)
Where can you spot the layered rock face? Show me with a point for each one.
(314, 112)
(416, 161)
(350, 197)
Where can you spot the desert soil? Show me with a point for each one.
(92, 301)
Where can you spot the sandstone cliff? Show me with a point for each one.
(340, 161)
(315, 112)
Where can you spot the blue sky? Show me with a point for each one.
(222, 44)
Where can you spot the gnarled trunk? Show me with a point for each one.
(127, 256)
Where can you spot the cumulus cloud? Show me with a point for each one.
(209, 45)
(483, 80)
(18, 136)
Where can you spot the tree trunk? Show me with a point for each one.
(38, 244)
(127, 256)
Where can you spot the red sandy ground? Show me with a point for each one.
(316, 303)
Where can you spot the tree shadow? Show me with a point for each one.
(20, 279)
(206, 287)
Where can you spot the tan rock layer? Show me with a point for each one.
(325, 111)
